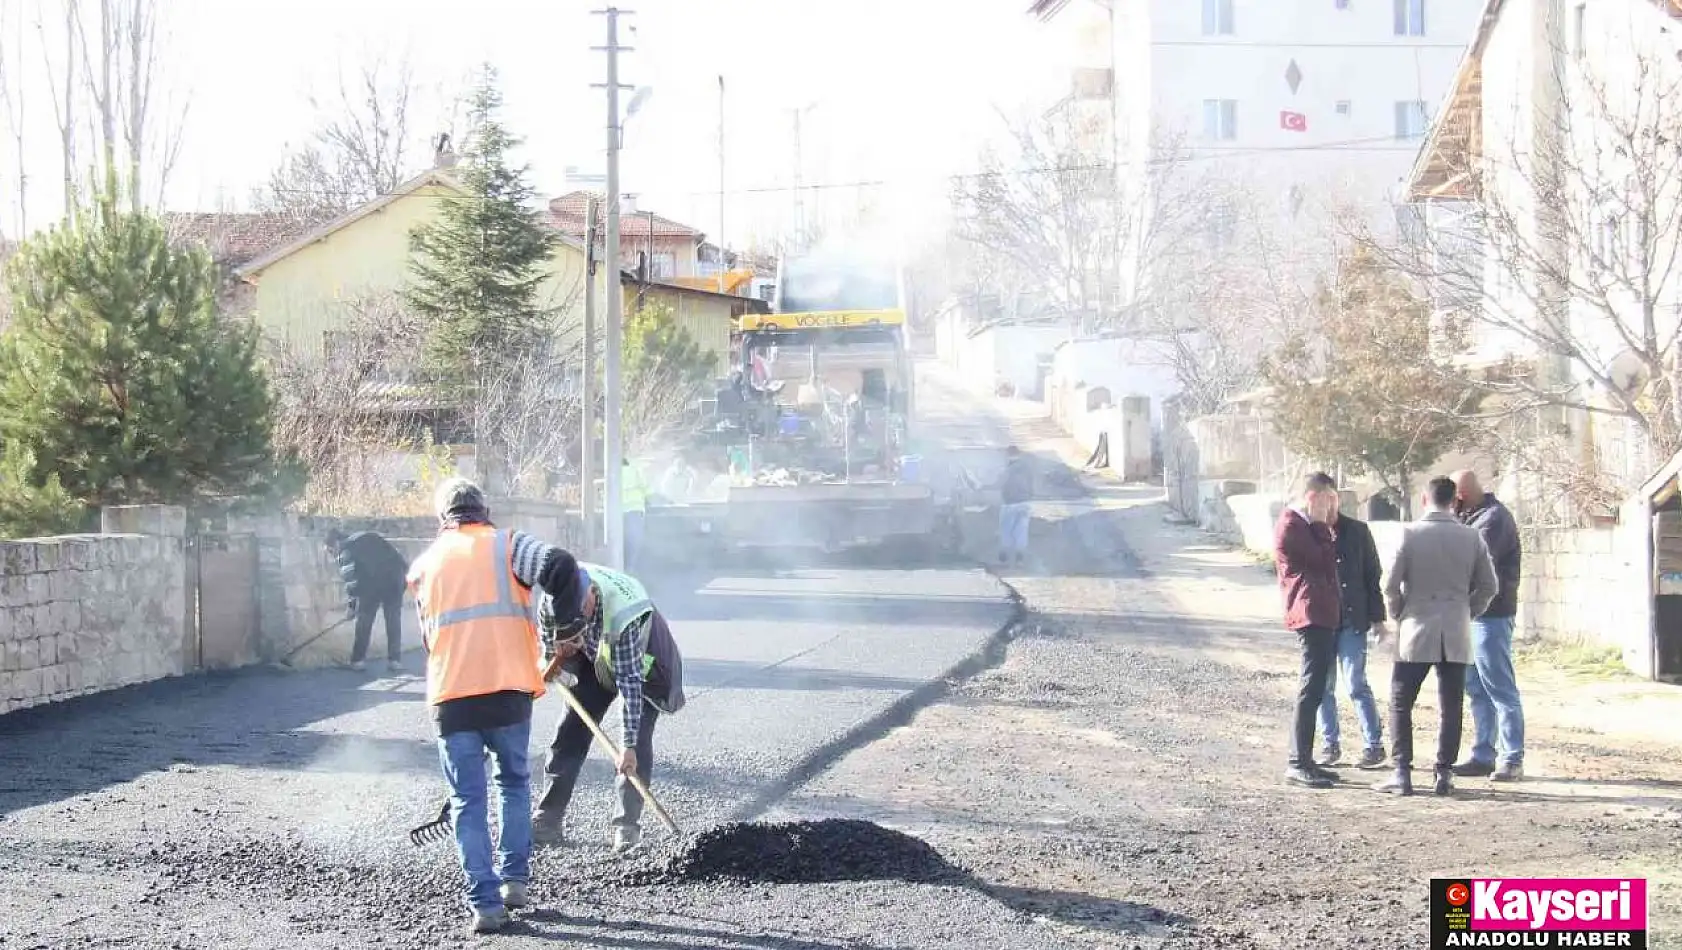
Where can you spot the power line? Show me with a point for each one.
(1203, 153)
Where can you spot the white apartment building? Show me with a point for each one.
(1307, 104)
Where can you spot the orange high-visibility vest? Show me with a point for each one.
(475, 617)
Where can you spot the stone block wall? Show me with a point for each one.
(84, 613)
(1589, 586)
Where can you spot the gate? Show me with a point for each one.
(227, 600)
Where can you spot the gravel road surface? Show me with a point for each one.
(1118, 777)
(265, 810)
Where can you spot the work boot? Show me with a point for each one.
(514, 896)
(1400, 783)
(1330, 755)
(1474, 769)
(489, 920)
(1372, 758)
(394, 666)
(626, 837)
(1508, 772)
(1306, 778)
(546, 830)
(1324, 773)
(357, 666)
(1445, 782)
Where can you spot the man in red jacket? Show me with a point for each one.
(1305, 557)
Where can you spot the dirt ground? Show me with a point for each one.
(1119, 775)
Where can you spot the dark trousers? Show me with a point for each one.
(392, 607)
(572, 746)
(1405, 680)
(1319, 655)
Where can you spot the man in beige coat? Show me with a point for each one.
(1442, 578)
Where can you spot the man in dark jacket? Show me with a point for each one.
(1362, 598)
(374, 574)
(1305, 558)
(1492, 686)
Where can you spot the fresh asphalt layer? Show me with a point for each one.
(267, 809)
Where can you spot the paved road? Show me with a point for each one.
(262, 810)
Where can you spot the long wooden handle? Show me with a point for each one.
(636, 780)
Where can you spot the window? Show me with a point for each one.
(662, 266)
(1579, 30)
(1410, 17)
(1222, 225)
(1220, 119)
(1343, 107)
(1412, 119)
(1217, 17)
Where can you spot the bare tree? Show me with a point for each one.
(360, 150)
(121, 71)
(64, 104)
(11, 96)
(525, 416)
(1044, 217)
(1560, 251)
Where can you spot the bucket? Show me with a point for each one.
(910, 467)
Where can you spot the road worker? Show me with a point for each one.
(472, 587)
(613, 643)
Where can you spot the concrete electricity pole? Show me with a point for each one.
(587, 387)
(613, 520)
(721, 183)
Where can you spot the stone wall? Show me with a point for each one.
(1589, 586)
(84, 613)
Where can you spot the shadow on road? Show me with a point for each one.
(1089, 911)
(249, 718)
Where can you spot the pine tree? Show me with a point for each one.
(116, 374)
(477, 269)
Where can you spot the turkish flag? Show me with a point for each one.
(1293, 122)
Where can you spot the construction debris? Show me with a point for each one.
(803, 852)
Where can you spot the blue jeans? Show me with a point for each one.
(1013, 527)
(1352, 665)
(463, 756)
(1492, 690)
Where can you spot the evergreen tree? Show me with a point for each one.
(477, 269)
(666, 371)
(116, 375)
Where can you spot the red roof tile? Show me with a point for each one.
(234, 238)
(567, 215)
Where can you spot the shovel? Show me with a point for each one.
(636, 781)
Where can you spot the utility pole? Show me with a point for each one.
(587, 388)
(799, 195)
(721, 183)
(613, 520)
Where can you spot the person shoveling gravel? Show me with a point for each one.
(802, 852)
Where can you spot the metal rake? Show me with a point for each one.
(438, 829)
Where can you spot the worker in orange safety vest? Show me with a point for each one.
(483, 671)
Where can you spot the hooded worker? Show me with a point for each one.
(611, 642)
(472, 587)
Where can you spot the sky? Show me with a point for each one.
(902, 91)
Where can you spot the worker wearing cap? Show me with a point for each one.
(472, 587)
(612, 642)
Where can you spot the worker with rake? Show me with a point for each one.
(473, 588)
(611, 642)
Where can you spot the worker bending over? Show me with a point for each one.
(612, 642)
(473, 587)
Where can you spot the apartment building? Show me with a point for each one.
(1309, 105)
